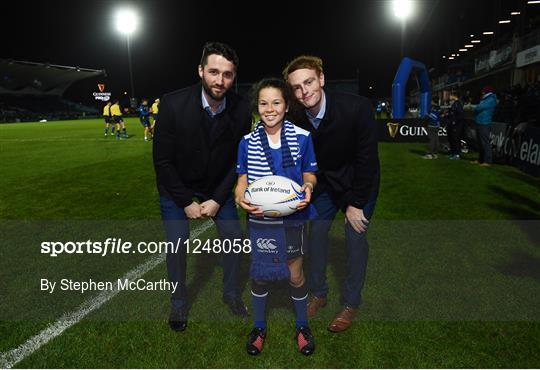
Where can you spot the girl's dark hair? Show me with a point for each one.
(276, 83)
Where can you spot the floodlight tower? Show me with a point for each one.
(403, 10)
(126, 24)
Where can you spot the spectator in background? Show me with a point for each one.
(434, 124)
(506, 109)
(454, 118)
(484, 116)
(530, 104)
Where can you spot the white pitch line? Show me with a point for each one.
(12, 357)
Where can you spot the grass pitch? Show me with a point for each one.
(453, 278)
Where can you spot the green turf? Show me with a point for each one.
(453, 276)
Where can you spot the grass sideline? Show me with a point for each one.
(70, 171)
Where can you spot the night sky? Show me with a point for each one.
(348, 35)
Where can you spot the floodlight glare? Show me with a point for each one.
(402, 8)
(126, 21)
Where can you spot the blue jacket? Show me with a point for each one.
(144, 111)
(434, 117)
(485, 109)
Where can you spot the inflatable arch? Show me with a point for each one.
(400, 83)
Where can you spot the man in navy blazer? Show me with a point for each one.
(194, 150)
(344, 134)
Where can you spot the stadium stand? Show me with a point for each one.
(519, 104)
(33, 91)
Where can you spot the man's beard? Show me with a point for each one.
(208, 91)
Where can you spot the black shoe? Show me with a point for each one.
(178, 319)
(255, 341)
(236, 305)
(305, 340)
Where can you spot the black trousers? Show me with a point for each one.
(455, 131)
(484, 142)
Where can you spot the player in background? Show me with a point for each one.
(107, 118)
(277, 147)
(116, 114)
(144, 116)
(154, 113)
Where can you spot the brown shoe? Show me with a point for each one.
(343, 320)
(314, 304)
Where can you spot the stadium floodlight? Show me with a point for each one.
(463, 50)
(515, 13)
(469, 46)
(475, 41)
(402, 9)
(505, 21)
(488, 33)
(126, 23)
(451, 58)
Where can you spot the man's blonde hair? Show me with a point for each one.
(303, 62)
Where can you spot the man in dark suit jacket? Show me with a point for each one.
(195, 148)
(344, 135)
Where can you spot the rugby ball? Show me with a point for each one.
(277, 196)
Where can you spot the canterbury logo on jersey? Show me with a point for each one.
(266, 244)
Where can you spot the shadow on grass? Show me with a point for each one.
(533, 205)
(203, 270)
(336, 261)
(522, 208)
(529, 180)
(521, 264)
